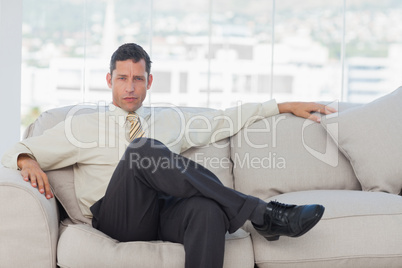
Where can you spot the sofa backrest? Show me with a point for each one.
(285, 153)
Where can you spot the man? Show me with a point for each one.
(130, 196)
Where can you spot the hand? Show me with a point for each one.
(304, 109)
(31, 171)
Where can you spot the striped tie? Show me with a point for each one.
(136, 129)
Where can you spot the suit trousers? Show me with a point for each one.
(155, 194)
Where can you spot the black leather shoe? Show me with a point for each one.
(288, 220)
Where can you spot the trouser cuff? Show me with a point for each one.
(244, 214)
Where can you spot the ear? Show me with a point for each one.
(109, 80)
(150, 80)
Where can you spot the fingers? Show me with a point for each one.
(314, 118)
(329, 110)
(310, 116)
(38, 180)
(24, 175)
(46, 187)
(43, 184)
(305, 110)
(323, 109)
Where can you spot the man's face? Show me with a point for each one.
(129, 83)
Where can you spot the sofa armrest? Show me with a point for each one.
(28, 223)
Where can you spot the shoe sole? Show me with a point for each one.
(272, 238)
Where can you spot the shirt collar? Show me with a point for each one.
(141, 112)
(120, 116)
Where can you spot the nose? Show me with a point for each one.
(130, 87)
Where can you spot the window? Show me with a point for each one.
(162, 82)
(214, 53)
(183, 82)
(373, 49)
(68, 79)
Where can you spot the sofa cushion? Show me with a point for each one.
(62, 184)
(285, 153)
(83, 246)
(215, 157)
(358, 229)
(370, 137)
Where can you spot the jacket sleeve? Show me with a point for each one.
(54, 149)
(202, 129)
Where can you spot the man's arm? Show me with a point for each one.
(27, 154)
(31, 171)
(224, 123)
(304, 109)
(214, 125)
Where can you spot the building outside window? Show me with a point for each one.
(213, 53)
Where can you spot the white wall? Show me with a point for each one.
(10, 72)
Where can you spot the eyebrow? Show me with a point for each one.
(135, 76)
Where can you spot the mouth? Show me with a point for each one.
(130, 99)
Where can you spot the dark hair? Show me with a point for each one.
(133, 52)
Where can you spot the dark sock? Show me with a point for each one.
(257, 216)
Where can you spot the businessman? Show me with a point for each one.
(131, 196)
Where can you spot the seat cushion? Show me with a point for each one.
(358, 229)
(80, 245)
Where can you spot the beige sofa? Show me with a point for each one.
(285, 158)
